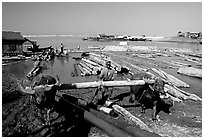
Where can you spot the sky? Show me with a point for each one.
(92, 18)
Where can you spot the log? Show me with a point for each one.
(85, 67)
(188, 59)
(190, 71)
(97, 60)
(173, 80)
(180, 64)
(34, 72)
(170, 63)
(93, 68)
(190, 96)
(90, 62)
(85, 85)
(172, 97)
(174, 92)
(128, 116)
(134, 66)
(84, 72)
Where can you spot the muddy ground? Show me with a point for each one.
(21, 117)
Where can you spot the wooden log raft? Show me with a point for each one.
(190, 71)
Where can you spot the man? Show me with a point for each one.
(62, 48)
(107, 74)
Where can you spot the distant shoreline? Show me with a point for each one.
(179, 40)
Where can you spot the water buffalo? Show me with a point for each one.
(43, 98)
(149, 95)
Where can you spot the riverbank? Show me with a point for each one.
(176, 39)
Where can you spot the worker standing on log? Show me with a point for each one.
(107, 74)
(62, 48)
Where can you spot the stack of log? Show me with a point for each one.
(171, 88)
(94, 63)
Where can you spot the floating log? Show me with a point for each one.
(174, 92)
(172, 97)
(134, 66)
(90, 62)
(85, 67)
(174, 65)
(93, 63)
(190, 71)
(190, 95)
(84, 72)
(183, 95)
(195, 55)
(94, 69)
(180, 64)
(188, 59)
(97, 60)
(34, 72)
(173, 80)
(128, 116)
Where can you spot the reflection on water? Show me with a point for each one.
(64, 60)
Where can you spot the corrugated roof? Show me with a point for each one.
(11, 35)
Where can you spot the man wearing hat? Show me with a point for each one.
(107, 74)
